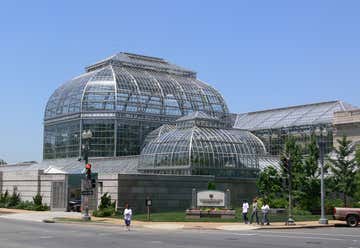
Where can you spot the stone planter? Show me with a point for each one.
(197, 214)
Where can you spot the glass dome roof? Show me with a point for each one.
(201, 145)
(136, 84)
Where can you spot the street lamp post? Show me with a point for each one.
(290, 220)
(321, 135)
(86, 136)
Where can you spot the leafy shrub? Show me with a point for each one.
(260, 202)
(278, 203)
(43, 207)
(37, 199)
(105, 201)
(211, 186)
(106, 212)
(4, 198)
(273, 203)
(106, 207)
(330, 203)
(297, 211)
(27, 205)
(13, 200)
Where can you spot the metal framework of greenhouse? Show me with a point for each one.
(275, 125)
(122, 99)
(200, 144)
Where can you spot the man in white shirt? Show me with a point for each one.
(265, 211)
(127, 216)
(245, 208)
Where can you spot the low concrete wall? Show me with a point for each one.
(240, 189)
(108, 183)
(25, 183)
(168, 192)
(45, 185)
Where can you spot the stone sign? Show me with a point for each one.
(210, 198)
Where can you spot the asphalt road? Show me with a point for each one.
(16, 234)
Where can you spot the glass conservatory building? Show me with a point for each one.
(121, 99)
(200, 144)
(275, 125)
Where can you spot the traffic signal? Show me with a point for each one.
(88, 171)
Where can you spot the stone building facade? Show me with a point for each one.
(59, 184)
(347, 123)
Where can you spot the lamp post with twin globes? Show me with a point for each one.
(321, 135)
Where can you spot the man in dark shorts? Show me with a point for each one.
(127, 216)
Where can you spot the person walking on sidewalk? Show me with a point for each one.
(254, 212)
(265, 214)
(127, 216)
(245, 208)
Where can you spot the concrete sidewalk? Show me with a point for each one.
(37, 216)
(229, 226)
(206, 225)
(73, 217)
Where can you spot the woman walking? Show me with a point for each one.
(127, 216)
(254, 212)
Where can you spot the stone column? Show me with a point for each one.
(227, 199)
(193, 199)
(40, 172)
(1, 181)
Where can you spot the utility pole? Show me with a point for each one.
(321, 136)
(288, 166)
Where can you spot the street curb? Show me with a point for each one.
(195, 227)
(200, 228)
(80, 222)
(295, 227)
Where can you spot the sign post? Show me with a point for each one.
(86, 192)
(148, 204)
(217, 201)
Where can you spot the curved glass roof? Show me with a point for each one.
(136, 84)
(158, 132)
(302, 115)
(200, 145)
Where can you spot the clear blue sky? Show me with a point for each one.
(259, 54)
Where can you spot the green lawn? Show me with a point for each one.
(180, 217)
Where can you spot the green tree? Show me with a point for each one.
(269, 184)
(343, 169)
(37, 199)
(311, 182)
(311, 167)
(292, 155)
(357, 178)
(105, 201)
(357, 155)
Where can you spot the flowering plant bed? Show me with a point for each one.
(212, 213)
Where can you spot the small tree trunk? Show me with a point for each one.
(345, 203)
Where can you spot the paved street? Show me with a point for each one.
(14, 233)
